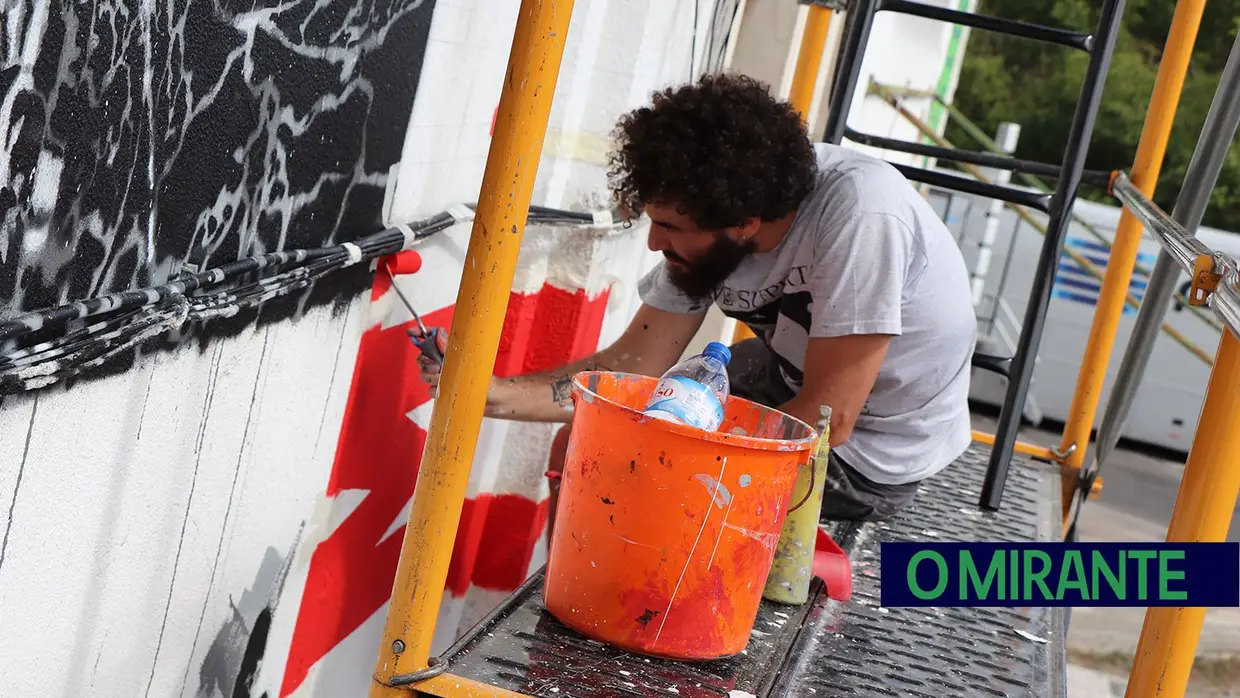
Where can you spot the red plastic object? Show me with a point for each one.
(832, 566)
(407, 262)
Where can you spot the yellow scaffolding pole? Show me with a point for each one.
(1159, 118)
(453, 686)
(801, 95)
(1209, 489)
(1024, 447)
(809, 59)
(507, 187)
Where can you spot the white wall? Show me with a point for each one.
(144, 508)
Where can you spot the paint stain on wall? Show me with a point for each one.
(233, 659)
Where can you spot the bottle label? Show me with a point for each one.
(687, 401)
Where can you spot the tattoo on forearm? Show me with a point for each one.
(562, 391)
(562, 387)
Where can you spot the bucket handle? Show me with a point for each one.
(824, 428)
(813, 473)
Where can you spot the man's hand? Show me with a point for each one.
(428, 370)
(653, 342)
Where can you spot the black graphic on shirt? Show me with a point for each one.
(761, 309)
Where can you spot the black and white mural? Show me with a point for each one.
(140, 135)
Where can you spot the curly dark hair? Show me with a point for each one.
(723, 150)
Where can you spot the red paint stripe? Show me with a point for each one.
(513, 527)
(514, 338)
(566, 327)
(468, 543)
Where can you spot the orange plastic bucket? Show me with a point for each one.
(664, 534)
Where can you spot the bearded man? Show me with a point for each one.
(856, 291)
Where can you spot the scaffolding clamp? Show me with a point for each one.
(1086, 480)
(1062, 454)
(1205, 266)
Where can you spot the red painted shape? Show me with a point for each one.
(379, 449)
(468, 543)
(833, 566)
(513, 528)
(566, 327)
(514, 338)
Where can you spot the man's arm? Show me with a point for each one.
(651, 345)
(860, 272)
(840, 373)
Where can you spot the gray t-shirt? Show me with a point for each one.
(865, 255)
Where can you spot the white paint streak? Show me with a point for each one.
(767, 539)
(630, 541)
(719, 493)
(722, 528)
(689, 558)
(578, 94)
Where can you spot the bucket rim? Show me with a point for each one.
(581, 390)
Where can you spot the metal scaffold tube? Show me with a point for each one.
(491, 259)
(809, 59)
(1160, 116)
(860, 19)
(1203, 510)
(1203, 171)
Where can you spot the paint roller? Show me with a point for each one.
(427, 341)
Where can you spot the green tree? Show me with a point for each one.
(1038, 85)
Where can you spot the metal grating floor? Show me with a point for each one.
(860, 649)
(823, 648)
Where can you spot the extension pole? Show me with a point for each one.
(1199, 181)
(490, 263)
(801, 95)
(1155, 133)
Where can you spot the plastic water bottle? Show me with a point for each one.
(694, 391)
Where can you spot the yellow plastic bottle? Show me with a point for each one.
(791, 570)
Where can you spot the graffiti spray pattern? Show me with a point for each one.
(141, 135)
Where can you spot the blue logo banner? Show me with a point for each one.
(1060, 574)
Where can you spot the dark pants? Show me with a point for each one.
(848, 495)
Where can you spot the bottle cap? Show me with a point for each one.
(718, 350)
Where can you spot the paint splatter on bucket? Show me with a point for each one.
(664, 533)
